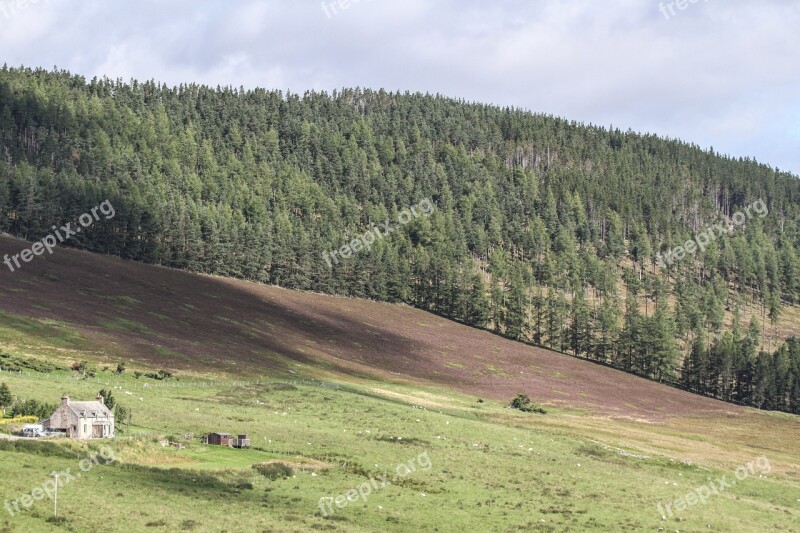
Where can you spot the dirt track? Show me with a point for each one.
(172, 319)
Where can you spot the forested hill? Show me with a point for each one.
(544, 230)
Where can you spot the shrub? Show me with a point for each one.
(108, 398)
(122, 415)
(6, 398)
(32, 408)
(274, 471)
(523, 403)
(10, 363)
(83, 367)
(160, 376)
(18, 420)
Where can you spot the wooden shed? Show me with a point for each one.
(219, 439)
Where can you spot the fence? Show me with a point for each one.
(171, 383)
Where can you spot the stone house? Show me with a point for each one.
(82, 420)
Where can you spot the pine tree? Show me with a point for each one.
(694, 366)
(478, 303)
(6, 399)
(665, 349)
(580, 326)
(516, 307)
(554, 320)
(605, 331)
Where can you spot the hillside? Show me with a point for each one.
(394, 267)
(340, 391)
(74, 305)
(540, 229)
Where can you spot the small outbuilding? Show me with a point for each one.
(219, 439)
(242, 441)
(227, 439)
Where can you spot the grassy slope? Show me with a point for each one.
(491, 468)
(156, 317)
(500, 469)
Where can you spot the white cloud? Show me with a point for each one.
(721, 73)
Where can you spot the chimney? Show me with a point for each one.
(65, 400)
(101, 399)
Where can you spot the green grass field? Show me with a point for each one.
(488, 465)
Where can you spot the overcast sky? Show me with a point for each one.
(721, 73)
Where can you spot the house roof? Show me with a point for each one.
(90, 409)
(222, 434)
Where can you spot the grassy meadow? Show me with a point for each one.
(488, 465)
(485, 466)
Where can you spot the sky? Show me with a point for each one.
(716, 73)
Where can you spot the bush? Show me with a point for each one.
(6, 398)
(83, 367)
(523, 403)
(274, 471)
(108, 398)
(4, 422)
(10, 363)
(160, 376)
(32, 408)
(122, 415)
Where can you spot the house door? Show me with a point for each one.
(97, 432)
